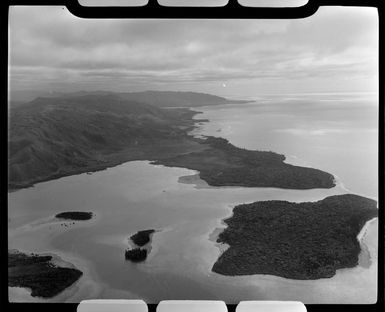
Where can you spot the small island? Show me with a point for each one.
(136, 254)
(308, 240)
(74, 215)
(38, 273)
(142, 238)
(139, 239)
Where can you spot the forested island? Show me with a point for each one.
(139, 239)
(74, 215)
(38, 273)
(136, 254)
(54, 137)
(308, 240)
(142, 238)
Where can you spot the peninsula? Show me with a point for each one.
(222, 164)
(309, 240)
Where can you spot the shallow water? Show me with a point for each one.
(137, 195)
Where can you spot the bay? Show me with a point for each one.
(138, 195)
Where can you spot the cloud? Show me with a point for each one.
(50, 48)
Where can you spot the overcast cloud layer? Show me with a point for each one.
(333, 51)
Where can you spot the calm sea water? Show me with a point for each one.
(337, 133)
(138, 195)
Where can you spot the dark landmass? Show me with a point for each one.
(141, 238)
(39, 274)
(223, 164)
(308, 240)
(74, 215)
(155, 98)
(55, 137)
(136, 254)
(176, 99)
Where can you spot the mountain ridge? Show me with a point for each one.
(153, 97)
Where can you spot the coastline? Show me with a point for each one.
(213, 236)
(209, 156)
(203, 186)
(365, 258)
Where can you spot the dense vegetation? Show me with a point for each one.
(54, 137)
(39, 274)
(74, 215)
(308, 240)
(136, 254)
(223, 164)
(141, 238)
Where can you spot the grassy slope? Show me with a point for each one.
(50, 138)
(309, 240)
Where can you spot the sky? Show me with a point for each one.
(335, 50)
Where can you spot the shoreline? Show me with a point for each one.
(194, 179)
(365, 258)
(118, 158)
(214, 235)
